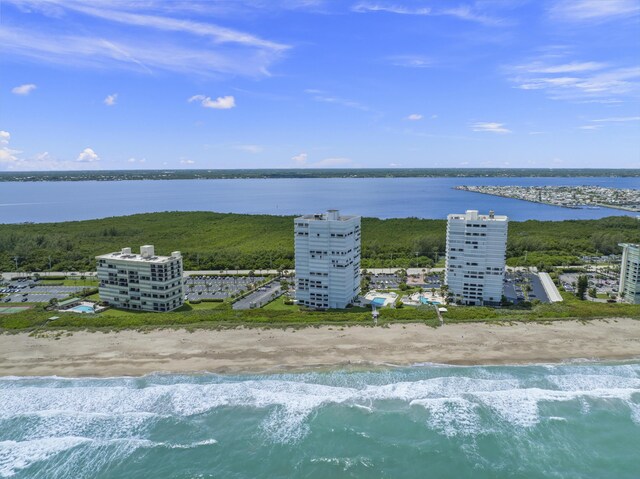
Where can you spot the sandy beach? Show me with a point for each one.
(265, 350)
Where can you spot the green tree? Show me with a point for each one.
(582, 285)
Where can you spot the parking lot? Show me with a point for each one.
(604, 283)
(31, 291)
(520, 286)
(260, 297)
(384, 281)
(218, 287)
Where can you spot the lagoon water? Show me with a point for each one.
(377, 197)
(573, 420)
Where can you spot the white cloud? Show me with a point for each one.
(23, 89)
(619, 119)
(414, 117)
(155, 38)
(490, 127)
(110, 100)
(593, 10)
(250, 148)
(87, 156)
(589, 127)
(300, 159)
(186, 161)
(7, 155)
(220, 103)
(135, 160)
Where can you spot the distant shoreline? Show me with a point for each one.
(134, 353)
(302, 173)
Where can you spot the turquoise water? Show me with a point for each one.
(579, 420)
(82, 309)
(379, 302)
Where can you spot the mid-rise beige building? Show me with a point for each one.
(143, 282)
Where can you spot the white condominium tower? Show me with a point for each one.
(142, 281)
(629, 289)
(476, 249)
(327, 260)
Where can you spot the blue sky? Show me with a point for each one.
(124, 84)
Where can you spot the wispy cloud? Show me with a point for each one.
(220, 103)
(250, 148)
(324, 97)
(88, 156)
(332, 162)
(364, 7)
(186, 161)
(589, 127)
(302, 160)
(156, 38)
(136, 160)
(577, 80)
(463, 12)
(618, 119)
(572, 67)
(593, 10)
(23, 89)
(110, 100)
(410, 61)
(490, 127)
(415, 117)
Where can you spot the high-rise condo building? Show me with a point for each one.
(327, 260)
(142, 281)
(629, 289)
(476, 250)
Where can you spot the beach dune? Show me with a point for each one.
(270, 350)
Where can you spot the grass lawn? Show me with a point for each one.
(203, 306)
(278, 305)
(277, 314)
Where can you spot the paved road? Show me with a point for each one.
(259, 298)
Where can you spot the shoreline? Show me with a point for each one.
(262, 351)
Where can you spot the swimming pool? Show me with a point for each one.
(81, 309)
(379, 302)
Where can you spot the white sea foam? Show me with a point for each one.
(451, 416)
(454, 404)
(18, 455)
(15, 456)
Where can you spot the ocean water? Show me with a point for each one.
(376, 197)
(574, 420)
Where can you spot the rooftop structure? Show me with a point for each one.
(476, 250)
(630, 273)
(142, 281)
(327, 260)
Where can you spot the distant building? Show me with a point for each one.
(629, 289)
(144, 281)
(476, 251)
(327, 260)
